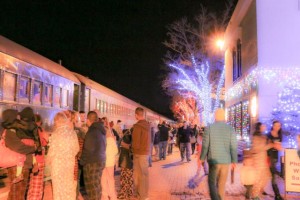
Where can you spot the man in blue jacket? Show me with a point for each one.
(220, 147)
(93, 156)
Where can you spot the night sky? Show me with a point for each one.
(117, 43)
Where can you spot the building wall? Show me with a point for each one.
(249, 39)
(278, 29)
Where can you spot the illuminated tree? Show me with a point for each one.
(287, 112)
(185, 109)
(195, 71)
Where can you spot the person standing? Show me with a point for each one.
(193, 138)
(17, 190)
(126, 165)
(259, 153)
(275, 137)
(93, 156)
(64, 147)
(141, 138)
(36, 184)
(107, 179)
(184, 134)
(163, 140)
(220, 147)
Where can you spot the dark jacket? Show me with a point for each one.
(13, 142)
(184, 134)
(273, 153)
(141, 138)
(94, 147)
(125, 158)
(156, 138)
(164, 133)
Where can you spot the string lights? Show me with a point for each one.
(195, 81)
(287, 110)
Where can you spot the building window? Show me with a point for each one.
(239, 58)
(10, 83)
(237, 61)
(24, 90)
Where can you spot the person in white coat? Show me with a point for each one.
(107, 179)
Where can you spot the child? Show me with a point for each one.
(248, 174)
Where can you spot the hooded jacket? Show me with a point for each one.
(94, 147)
(12, 141)
(141, 138)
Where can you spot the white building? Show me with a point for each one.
(262, 57)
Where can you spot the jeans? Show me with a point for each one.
(170, 148)
(185, 148)
(150, 156)
(163, 149)
(217, 177)
(141, 175)
(193, 147)
(156, 148)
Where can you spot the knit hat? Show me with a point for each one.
(9, 116)
(27, 114)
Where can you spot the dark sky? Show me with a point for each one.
(117, 43)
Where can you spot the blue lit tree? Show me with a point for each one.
(194, 67)
(287, 112)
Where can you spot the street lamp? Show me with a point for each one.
(220, 44)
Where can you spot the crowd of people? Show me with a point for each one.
(84, 148)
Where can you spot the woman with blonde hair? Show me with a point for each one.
(63, 149)
(107, 178)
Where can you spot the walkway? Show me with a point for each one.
(172, 179)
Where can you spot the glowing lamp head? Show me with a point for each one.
(220, 44)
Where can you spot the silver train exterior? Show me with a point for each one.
(29, 79)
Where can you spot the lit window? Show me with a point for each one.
(57, 96)
(10, 82)
(37, 92)
(24, 90)
(48, 94)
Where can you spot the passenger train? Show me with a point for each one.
(29, 79)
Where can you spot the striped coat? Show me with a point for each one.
(219, 144)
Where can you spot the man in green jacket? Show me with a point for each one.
(220, 148)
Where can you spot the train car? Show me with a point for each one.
(29, 79)
(111, 104)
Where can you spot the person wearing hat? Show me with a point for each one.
(13, 141)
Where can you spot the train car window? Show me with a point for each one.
(98, 104)
(37, 92)
(10, 82)
(65, 98)
(76, 97)
(114, 109)
(87, 100)
(48, 94)
(101, 106)
(24, 90)
(57, 97)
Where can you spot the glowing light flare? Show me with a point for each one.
(220, 44)
(253, 106)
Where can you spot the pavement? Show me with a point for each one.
(172, 179)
